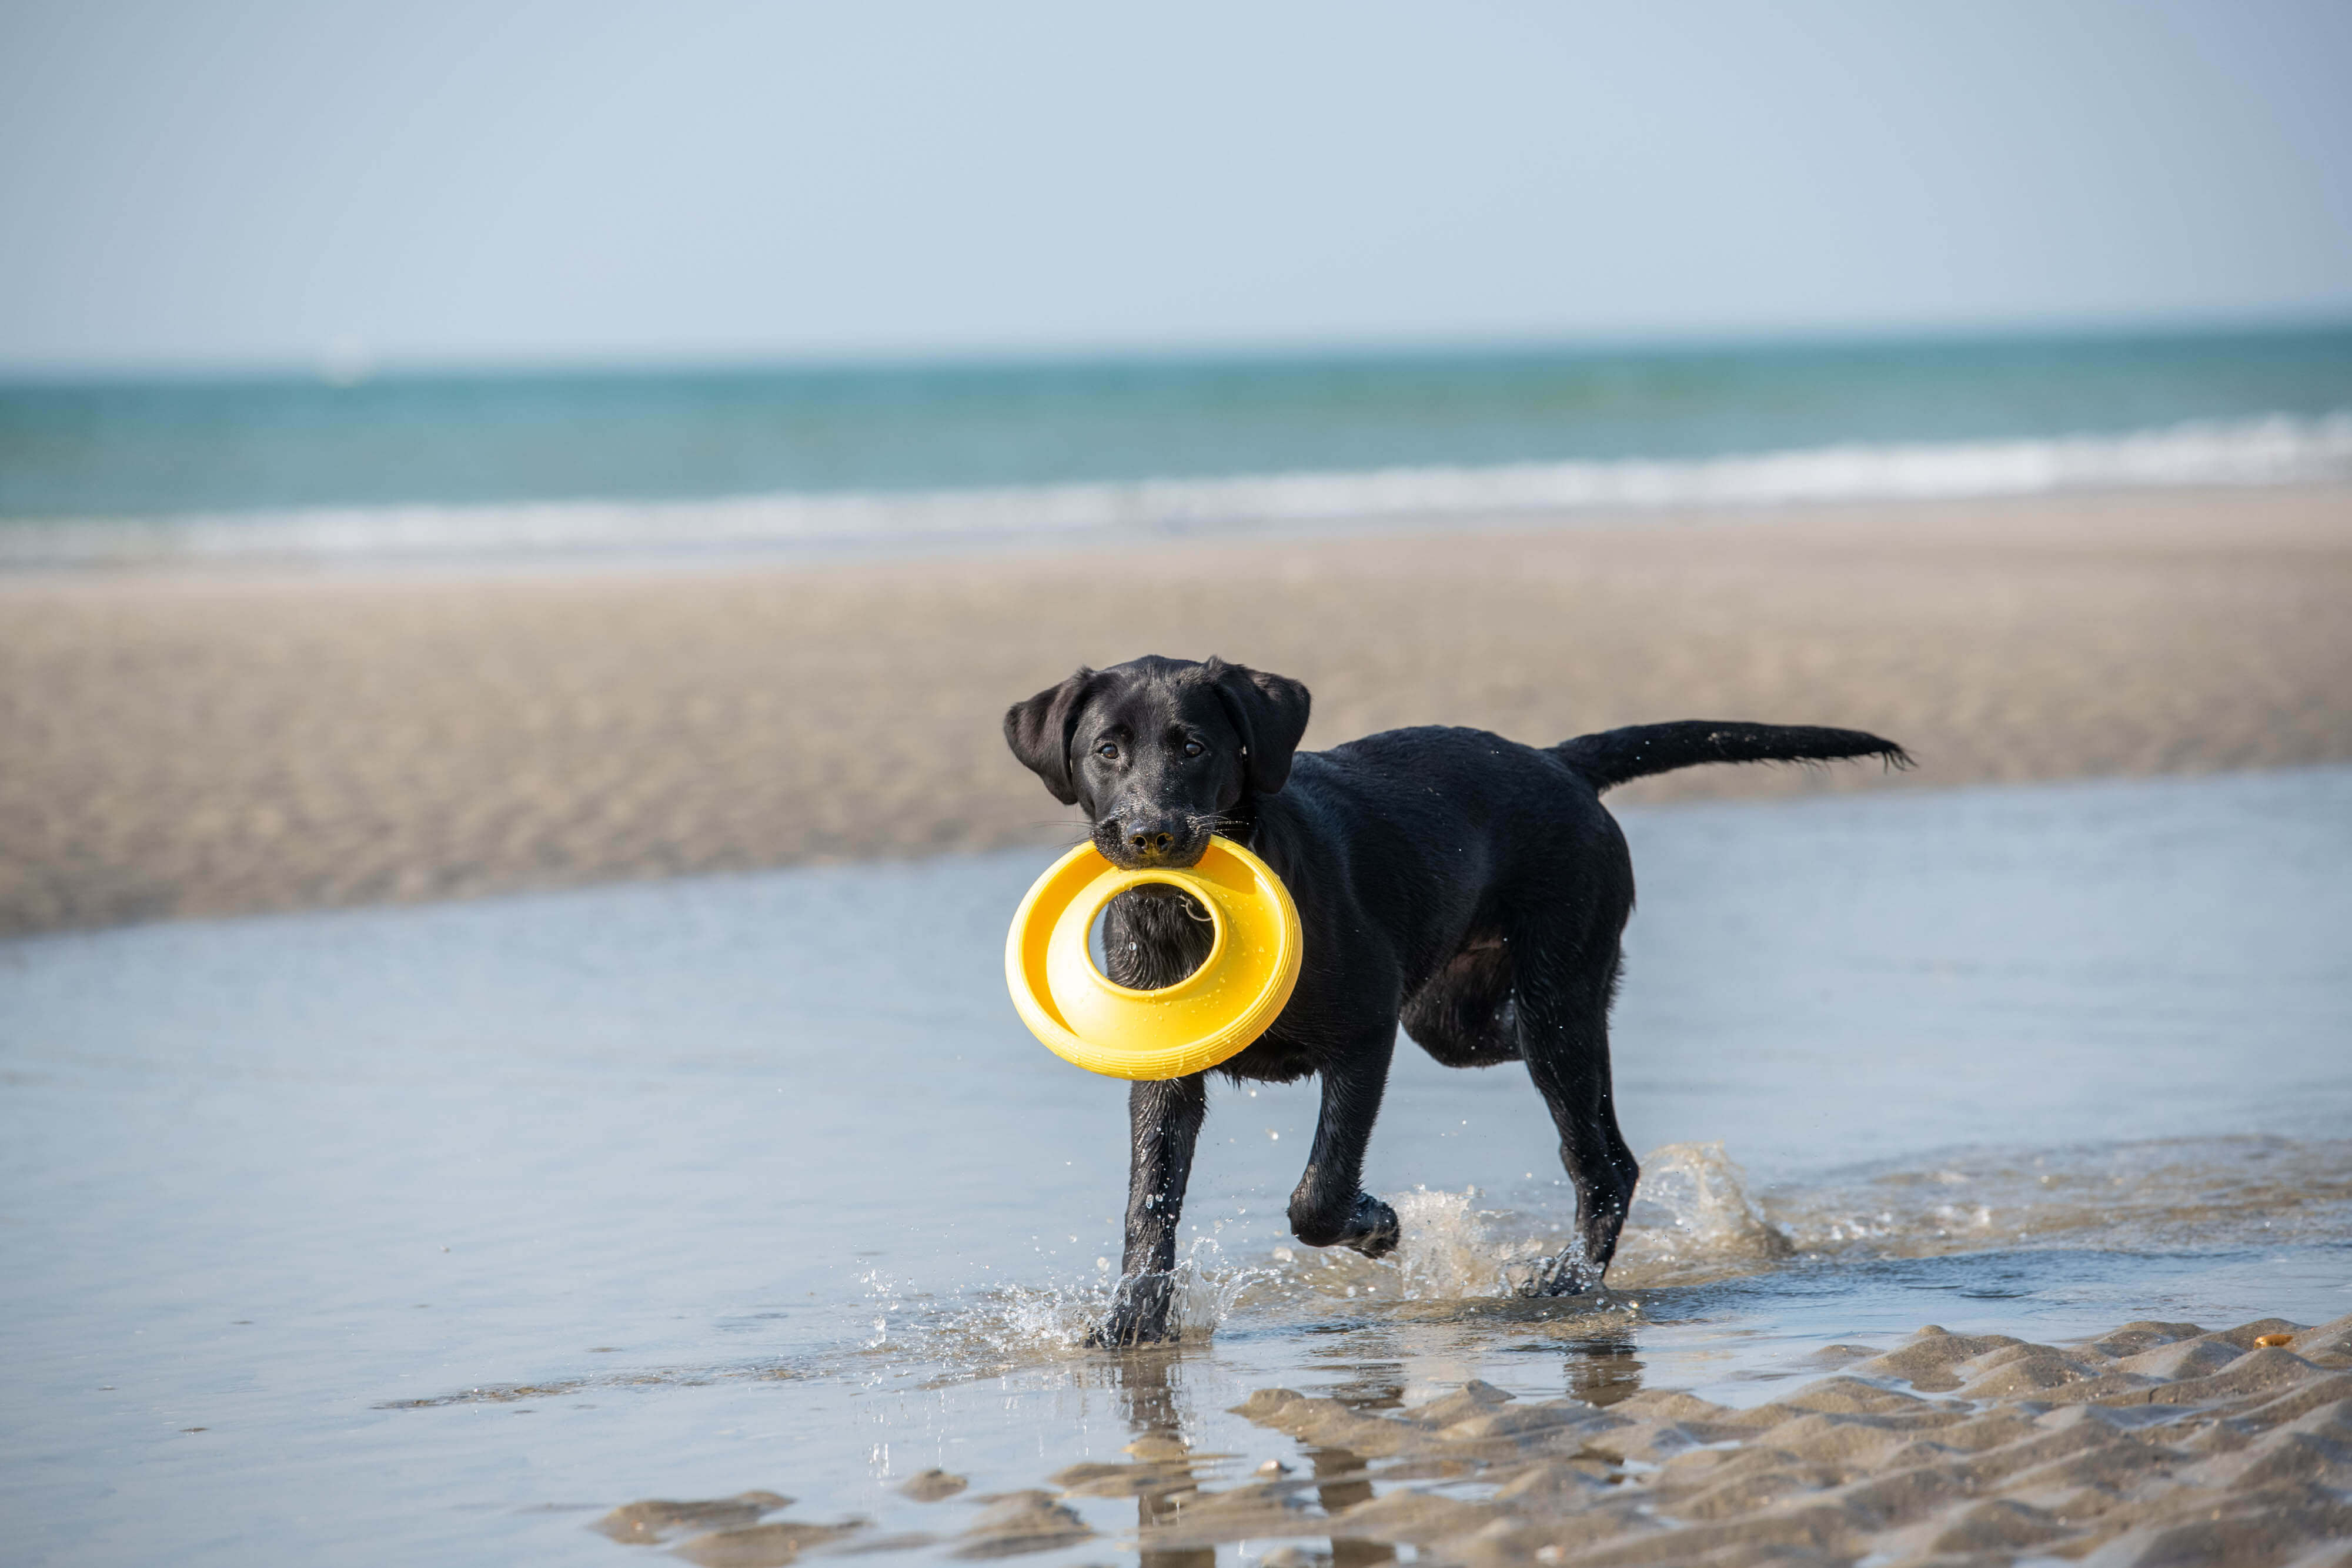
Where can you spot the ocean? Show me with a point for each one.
(922, 457)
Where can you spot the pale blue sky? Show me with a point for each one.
(198, 182)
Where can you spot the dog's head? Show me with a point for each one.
(1159, 750)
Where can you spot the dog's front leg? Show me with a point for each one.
(1164, 1120)
(1331, 1207)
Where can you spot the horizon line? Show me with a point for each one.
(347, 363)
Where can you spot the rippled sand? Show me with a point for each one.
(208, 745)
(2157, 1443)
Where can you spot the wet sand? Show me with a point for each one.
(2156, 1443)
(207, 744)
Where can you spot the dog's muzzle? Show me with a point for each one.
(1136, 842)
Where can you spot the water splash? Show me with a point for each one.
(1692, 1218)
(1448, 1250)
(1208, 1287)
(988, 1330)
(1695, 1219)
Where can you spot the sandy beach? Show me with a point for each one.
(193, 745)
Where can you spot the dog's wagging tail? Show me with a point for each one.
(1462, 889)
(1614, 756)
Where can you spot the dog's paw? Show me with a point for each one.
(1139, 1313)
(1565, 1275)
(1375, 1227)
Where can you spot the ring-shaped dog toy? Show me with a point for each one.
(1211, 1014)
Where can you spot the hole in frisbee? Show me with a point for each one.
(1163, 934)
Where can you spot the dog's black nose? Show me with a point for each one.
(1149, 836)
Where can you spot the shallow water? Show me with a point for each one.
(428, 1235)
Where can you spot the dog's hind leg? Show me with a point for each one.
(1331, 1207)
(1563, 1021)
(1164, 1118)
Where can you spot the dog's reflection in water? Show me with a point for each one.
(1148, 1403)
(1603, 1370)
(1167, 1504)
(1345, 1487)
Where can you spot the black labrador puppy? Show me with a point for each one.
(1466, 886)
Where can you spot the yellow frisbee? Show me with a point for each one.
(1209, 1015)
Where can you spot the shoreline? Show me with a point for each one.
(694, 558)
(215, 742)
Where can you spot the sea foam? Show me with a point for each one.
(2278, 449)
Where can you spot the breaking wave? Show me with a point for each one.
(2278, 449)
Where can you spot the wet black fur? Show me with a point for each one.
(1465, 886)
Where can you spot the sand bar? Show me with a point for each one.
(191, 744)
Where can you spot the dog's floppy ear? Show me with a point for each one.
(1038, 731)
(1270, 712)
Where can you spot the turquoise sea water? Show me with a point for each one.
(1084, 443)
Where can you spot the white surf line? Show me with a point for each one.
(2276, 449)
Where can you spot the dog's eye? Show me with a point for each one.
(1108, 751)
(1194, 748)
